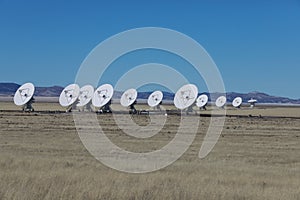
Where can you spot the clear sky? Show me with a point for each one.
(255, 44)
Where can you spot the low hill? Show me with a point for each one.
(8, 89)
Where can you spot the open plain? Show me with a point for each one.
(256, 157)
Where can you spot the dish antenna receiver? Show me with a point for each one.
(155, 99)
(128, 98)
(102, 98)
(85, 96)
(221, 101)
(252, 102)
(185, 97)
(69, 96)
(24, 97)
(237, 102)
(201, 101)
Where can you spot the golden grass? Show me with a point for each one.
(41, 157)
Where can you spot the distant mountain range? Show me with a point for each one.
(8, 89)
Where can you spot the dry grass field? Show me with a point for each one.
(42, 157)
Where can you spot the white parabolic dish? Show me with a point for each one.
(221, 101)
(155, 98)
(128, 97)
(202, 100)
(69, 95)
(24, 94)
(85, 95)
(185, 96)
(252, 101)
(103, 95)
(237, 102)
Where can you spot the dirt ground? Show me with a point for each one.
(256, 157)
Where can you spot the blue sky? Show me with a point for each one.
(255, 44)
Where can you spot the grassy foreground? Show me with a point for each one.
(42, 157)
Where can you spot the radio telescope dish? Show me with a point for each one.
(102, 98)
(24, 96)
(69, 95)
(85, 95)
(237, 102)
(252, 102)
(155, 98)
(202, 100)
(221, 101)
(103, 95)
(128, 97)
(185, 96)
